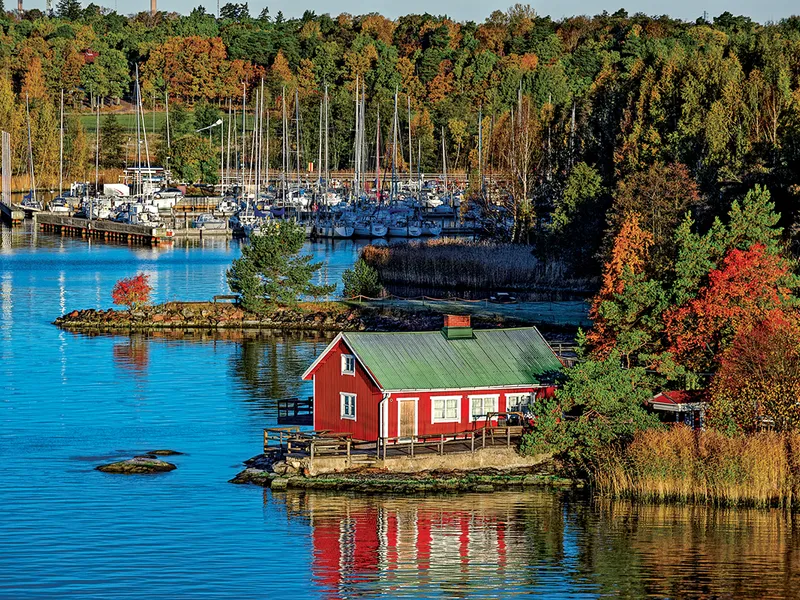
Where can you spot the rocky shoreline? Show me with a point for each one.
(279, 476)
(317, 316)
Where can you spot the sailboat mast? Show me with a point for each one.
(297, 134)
(394, 149)
(480, 148)
(327, 171)
(410, 165)
(61, 147)
(444, 162)
(378, 155)
(244, 137)
(357, 146)
(284, 143)
(30, 150)
(319, 155)
(97, 152)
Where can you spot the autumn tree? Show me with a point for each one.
(758, 382)
(133, 292)
(625, 295)
(660, 196)
(748, 286)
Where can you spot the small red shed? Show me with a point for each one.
(386, 385)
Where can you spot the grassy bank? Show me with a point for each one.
(681, 465)
(457, 265)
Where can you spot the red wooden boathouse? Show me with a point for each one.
(388, 385)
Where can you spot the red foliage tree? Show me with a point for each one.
(132, 292)
(749, 286)
(759, 378)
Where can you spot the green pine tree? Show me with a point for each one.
(271, 272)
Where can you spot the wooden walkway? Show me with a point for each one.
(291, 442)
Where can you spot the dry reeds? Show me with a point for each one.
(455, 264)
(708, 467)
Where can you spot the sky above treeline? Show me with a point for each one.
(474, 10)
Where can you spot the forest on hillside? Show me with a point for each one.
(584, 119)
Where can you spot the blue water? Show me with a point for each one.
(69, 402)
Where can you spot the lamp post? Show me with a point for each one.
(221, 126)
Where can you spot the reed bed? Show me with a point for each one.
(679, 464)
(459, 265)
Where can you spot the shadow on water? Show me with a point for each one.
(543, 541)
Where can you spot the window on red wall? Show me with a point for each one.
(480, 406)
(446, 409)
(348, 364)
(348, 405)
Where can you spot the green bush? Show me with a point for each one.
(361, 280)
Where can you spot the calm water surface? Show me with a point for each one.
(69, 402)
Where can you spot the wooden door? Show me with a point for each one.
(408, 418)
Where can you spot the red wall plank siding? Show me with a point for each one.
(329, 382)
(425, 426)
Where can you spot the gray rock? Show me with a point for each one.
(279, 484)
(138, 465)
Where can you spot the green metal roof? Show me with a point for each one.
(426, 360)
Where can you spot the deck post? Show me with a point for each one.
(472, 444)
(508, 436)
(349, 462)
(265, 441)
(441, 444)
(412, 446)
(384, 448)
(483, 440)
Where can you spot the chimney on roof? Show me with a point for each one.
(152, 7)
(19, 6)
(457, 327)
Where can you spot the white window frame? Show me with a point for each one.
(446, 419)
(512, 398)
(342, 406)
(345, 370)
(494, 397)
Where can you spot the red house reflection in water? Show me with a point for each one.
(441, 542)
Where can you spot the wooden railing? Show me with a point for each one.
(294, 411)
(319, 444)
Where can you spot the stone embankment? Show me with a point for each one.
(279, 475)
(319, 316)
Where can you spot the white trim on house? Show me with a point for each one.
(342, 413)
(514, 386)
(416, 414)
(446, 419)
(321, 357)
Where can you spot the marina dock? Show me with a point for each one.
(106, 230)
(11, 213)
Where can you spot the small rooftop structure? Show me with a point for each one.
(687, 406)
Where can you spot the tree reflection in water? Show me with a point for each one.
(269, 364)
(549, 543)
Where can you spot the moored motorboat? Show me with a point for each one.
(209, 221)
(431, 228)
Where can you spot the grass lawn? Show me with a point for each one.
(127, 120)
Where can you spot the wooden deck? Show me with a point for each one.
(291, 442)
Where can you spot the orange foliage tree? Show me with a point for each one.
(627, 262)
